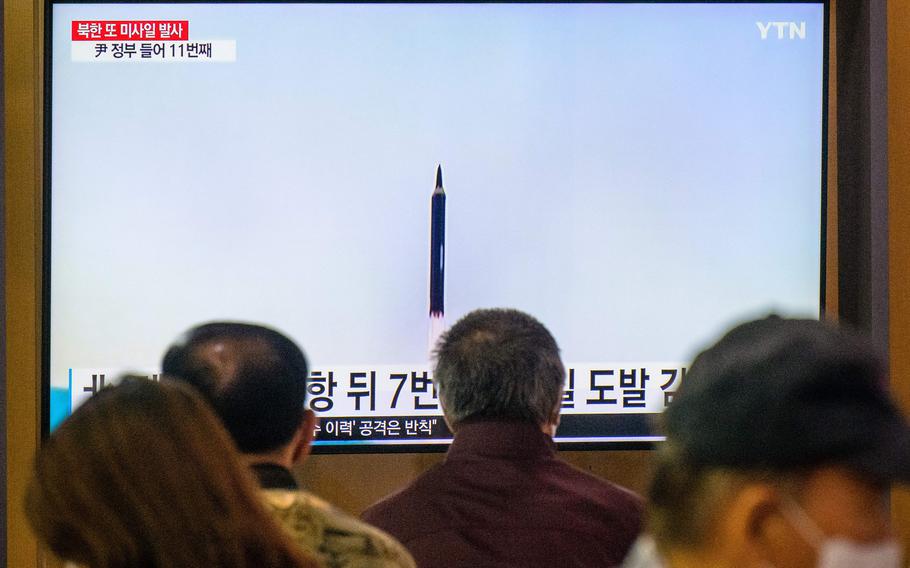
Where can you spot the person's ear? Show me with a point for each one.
(746, 527)
(763, 534)
(449, 425)
(304, 437)
(445, 416)
(762, 508)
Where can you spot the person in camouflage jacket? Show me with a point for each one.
(255, 379)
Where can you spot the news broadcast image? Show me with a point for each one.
(638, 177)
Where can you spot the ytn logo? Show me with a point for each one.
(796, 30)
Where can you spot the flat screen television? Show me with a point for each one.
(638, 176)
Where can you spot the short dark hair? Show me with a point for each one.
(499, 363)
(253, 376)
(784, 394)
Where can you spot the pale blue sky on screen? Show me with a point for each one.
(637, 176)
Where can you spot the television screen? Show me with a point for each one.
(638, 176)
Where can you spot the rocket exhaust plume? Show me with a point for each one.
(437, 260)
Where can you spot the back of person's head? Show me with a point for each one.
(253, 376)
(499, 364)
(143, 474)
(777, 409)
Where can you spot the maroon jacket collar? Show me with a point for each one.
(503, 439)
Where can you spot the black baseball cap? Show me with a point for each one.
(782, 395)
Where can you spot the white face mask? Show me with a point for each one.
(839, 552)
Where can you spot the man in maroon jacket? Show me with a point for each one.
(502, 497)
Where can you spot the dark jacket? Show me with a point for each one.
(503, 498)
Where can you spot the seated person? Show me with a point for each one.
(781, 443)
(255, 379)
(502, 497)
(143, 474)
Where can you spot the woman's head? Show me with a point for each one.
(143, 474)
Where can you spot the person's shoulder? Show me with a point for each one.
(599, 488)
(339, 539)
(614, 506)
(396, 509)
(595, 506)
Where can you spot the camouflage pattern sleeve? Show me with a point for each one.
(336, 538)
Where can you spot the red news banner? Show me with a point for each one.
(168, 41)
(131, 30)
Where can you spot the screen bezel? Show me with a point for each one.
(439, 447)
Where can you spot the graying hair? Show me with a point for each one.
(499, 363)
